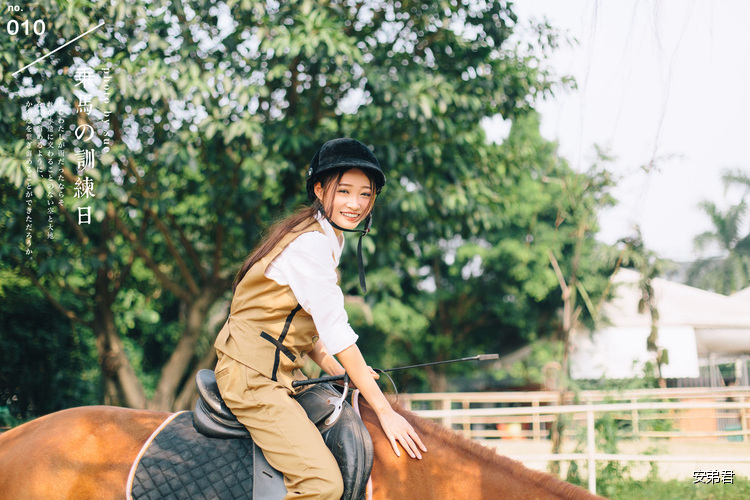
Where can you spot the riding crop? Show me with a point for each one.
(334, 378)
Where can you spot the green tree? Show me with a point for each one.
(738, 178)
(214, 112)
(650, 267)
(583, 195)
(729, 271)
(494, 290)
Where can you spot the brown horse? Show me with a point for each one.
(87, 452)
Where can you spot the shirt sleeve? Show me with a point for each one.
(308, 267)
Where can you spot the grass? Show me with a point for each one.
(629, 489)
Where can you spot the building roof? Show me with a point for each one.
(678, 305)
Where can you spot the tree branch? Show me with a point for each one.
(149, 261)
(117, 284)
(558, 273)
(57, 305)
(218, 249)
(171, 247)
(189, 248)
(181, 264)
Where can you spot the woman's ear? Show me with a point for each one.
(318, 189)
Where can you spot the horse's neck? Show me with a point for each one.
(455, 467)
(470, 467)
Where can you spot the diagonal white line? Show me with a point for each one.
(60, 47)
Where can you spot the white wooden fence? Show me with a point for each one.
(701, 411)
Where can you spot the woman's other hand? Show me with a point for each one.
(398, 430)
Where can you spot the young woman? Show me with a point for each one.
(287, 305)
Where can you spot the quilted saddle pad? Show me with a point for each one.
(178, 463)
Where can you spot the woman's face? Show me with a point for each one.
(351, 198)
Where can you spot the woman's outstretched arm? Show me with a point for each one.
(396, 428)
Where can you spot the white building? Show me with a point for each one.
(700, 330)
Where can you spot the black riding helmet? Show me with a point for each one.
(345, 154)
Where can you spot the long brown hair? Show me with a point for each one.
(330, 182)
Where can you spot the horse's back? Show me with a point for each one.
(78, 453)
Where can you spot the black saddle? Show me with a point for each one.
(342, 430)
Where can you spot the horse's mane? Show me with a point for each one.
(488, 455)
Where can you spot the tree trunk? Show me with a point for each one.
(174, 371)
(121, 385)
(437, 380)
(558, 426)
(570, 316)
(189, 393)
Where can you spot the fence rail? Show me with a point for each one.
(697, 413)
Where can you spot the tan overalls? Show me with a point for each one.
(260, 350)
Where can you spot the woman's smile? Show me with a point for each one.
(350, 215)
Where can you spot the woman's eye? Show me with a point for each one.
(367, 194)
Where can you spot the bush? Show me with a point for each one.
(45, 364)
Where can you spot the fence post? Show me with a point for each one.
(467, 422)
(536, 423)
(445, 404)
(591, 442)
(743, 419)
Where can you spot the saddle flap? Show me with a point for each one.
(351, 446)
(268, 483)
(315, 402)
(205, 381)
(207, 424)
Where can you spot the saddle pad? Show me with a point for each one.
(179, 463)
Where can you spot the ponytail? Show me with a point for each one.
(275, 234)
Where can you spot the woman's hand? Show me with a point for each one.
(398, 430)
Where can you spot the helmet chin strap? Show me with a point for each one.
(360, 264)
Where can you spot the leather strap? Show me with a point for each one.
(360, 261)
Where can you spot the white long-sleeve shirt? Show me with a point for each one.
(308, 266)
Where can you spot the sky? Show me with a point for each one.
(663, 83)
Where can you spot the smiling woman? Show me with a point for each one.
(287, 304)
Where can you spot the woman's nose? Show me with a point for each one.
(353, 202)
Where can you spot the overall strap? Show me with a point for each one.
(280, 347)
